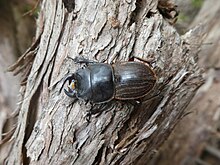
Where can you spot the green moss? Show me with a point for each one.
(183, 17)
(197, 3)
(26, 8)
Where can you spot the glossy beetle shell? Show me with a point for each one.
(101, 82)
(132, 80)
(95, 83)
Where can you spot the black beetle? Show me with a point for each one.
(101, 82)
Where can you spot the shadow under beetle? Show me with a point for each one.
(101, 82)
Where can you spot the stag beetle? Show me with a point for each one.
(101, 82)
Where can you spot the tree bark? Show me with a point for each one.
(197, 135)
(53, 130)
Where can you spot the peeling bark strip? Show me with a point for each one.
(123, 134)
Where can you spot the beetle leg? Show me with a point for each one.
(158, 93)
(148, 61)
(86, 102)
(82, 60)
(97, 109)
(88, 116)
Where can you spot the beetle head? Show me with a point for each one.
(71, 88)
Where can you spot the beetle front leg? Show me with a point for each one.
(81, 60)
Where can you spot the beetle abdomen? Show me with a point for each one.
(132, 80)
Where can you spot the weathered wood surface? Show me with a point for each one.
(51, 130)
(200, 129)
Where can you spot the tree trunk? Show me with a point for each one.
(52, 129)
(197, 142)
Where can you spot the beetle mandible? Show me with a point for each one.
(102, 82)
